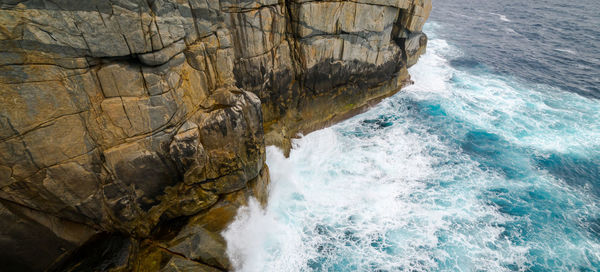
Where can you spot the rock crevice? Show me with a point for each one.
(121, 118)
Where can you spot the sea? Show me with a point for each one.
(489, 162)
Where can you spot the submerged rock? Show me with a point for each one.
(119, 117)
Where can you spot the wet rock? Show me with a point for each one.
(186, 150)
(141, 169)
(34, 245)
(198, 238)
(120, 116)
(179, 264)
(103, 252)
(414, 46)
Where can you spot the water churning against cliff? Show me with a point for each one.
(467, 170)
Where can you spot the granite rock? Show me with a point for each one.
(119, 117)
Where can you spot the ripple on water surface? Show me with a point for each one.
(465, 170)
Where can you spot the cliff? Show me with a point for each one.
(131, 131)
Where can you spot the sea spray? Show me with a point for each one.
(454, 173)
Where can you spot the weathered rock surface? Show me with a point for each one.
(120, 118)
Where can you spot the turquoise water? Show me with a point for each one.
(467, 170)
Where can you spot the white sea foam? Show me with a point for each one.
(355, 197)
(332, 200)
(530, 115)
(337, 196)
(566, 50)
(501, 16)
(511, 31)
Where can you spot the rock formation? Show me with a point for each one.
(132, 130)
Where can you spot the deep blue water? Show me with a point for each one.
(490, 162)
(551, 42)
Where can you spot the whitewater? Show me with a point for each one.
(466, 170)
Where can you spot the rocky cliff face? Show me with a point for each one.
(132, 130)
